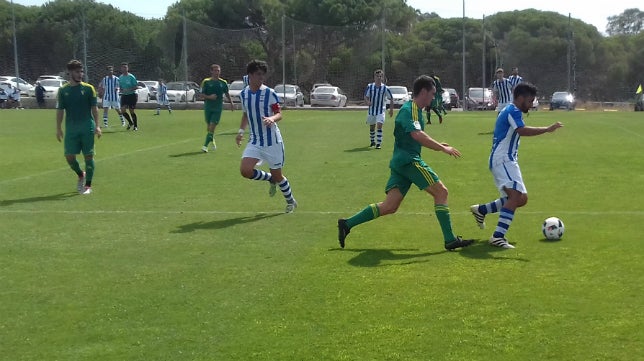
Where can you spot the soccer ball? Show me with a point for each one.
(553, 228)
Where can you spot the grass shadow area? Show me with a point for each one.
(224, 223)
(53, 197)
(482, 250)
(375, 257)
(187, 154)
(358, 149)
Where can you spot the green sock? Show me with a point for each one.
(89, 170)
(369, 213)
(209, 138)
(442, 213)
(75, 167)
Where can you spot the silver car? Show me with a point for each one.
(328, 96)
(290, 95)
(17, 82)
(234, 89)
(400, 94)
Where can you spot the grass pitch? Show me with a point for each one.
(176, 257)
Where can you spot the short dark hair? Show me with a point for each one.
(255, 65)
(423, 82)
(524, 89)
(125, 63)
(74, 64)
(215, 66)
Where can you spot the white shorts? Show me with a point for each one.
(163, 102)
(272, 155)
(373, 119)
(111, 103)
(508, 175)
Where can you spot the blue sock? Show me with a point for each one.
(493, 206)
(505, 220)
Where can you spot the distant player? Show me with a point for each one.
(504, 165)
(76, 100)
(515, 78)
(162, 97)
(375, 96)
(261, 108)
(437, 103)
(502, 88)
(108, 90)
(213, 90)
(129, 97)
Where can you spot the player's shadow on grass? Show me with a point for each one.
(188, 154)
(482, 250)
(375, 257)
(486, 133)
(191, 227)
(359, 149)
(53, 197)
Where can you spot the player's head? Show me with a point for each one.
(256, 71)
(515, 71)
(499, 73)
(379, 76)
(110, 69)
(125, 67)
(215, 70)
(424, 89)
(75, 70)
(524, 94)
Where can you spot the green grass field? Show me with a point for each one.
(176, 257)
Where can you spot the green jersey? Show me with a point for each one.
(406, 149)
(77, 102)
(211, 86)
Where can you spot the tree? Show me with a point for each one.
(630, 22)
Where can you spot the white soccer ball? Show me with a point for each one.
(553, 228)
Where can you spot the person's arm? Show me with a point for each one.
(532, 131)
(242, 129)
(97, 126)
(276, 117)
(428, 142)
(59, 124)
(230, 100)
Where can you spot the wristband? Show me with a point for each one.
(241, 131)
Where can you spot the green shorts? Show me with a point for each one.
(79, 141)
(212, 116)
(417, 173)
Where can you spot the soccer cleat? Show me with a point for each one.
(214, 145)
(204, 149)
(458, 242)
(81, 183)
(87, 190)
(373, 144)
(272, 189)
(136, 128)
(128, 127)
(500, 242)
(290, 207)
(105, 124)
(123, 123)
(478, 216)
(378, 146)
(440, 119)
(343, 231)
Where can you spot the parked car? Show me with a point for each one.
(179, 91)
(446, 100)
(290, 94)
(317, 85)
(234, 89)
(535, 104)
(453, 98)
(51, 87)
(153, 85)
(17, 82)
(143, 92)
(43, 77)
(639, 102)
(330, 96)
(400, 94)
(480, 99)
(562, 100)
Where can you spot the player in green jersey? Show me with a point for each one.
(213, 90)
(407, 168)
(76, 100)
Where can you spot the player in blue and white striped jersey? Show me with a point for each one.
(515, 78)
(108, 90)
(504, 164)
(245, 80)
(374, 96)
(261, 107)
(502, 90)
(162, 97)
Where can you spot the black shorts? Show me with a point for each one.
(129, 101)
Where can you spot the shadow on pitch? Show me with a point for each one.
(54, 197)
(224, 223)
(359, 149)
(188, 154)
(397, 257)
(482, 250)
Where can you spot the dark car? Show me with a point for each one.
(562, 100)
(639, 102)
(453, 98)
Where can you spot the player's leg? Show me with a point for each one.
(371, 120)
(509, 180)
(210, 129)
(133, 100)
(72, 147)
(124, 110)
(251, 155)
(380, 120)
(105, 110)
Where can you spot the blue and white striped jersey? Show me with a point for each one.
(515, 79)
(503, 88)
(245, 80)
(258, 105)
(162, 93)
(376, 95)
(505, 144)
(111, 87)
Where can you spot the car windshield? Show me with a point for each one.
(325, 90)
(477, 93)
(289, 89)
(560, 96)
(150, 83)
(398, 90)
(236, 85)
(176, 86)
(51, 82)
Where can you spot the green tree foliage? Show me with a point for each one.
(630, 22)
